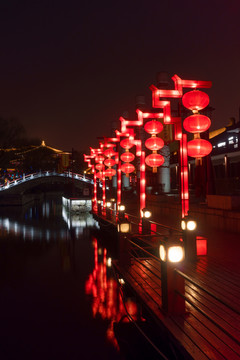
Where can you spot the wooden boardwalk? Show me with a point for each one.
(210, 327)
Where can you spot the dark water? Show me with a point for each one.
(58, 295)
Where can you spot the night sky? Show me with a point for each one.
(69, 68)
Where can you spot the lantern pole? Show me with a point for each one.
(118, 163)
(184, 175)
(139, 152)
(87, 158)
(157, 102)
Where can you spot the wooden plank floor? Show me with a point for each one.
(210, 328)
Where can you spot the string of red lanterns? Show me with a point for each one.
(197, 100)
(154, 144)
(127, 156)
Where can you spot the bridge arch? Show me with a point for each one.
(30, 182)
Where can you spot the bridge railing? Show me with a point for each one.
(40, 174)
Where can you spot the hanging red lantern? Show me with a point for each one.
(109, 152)
(199, 148)
(99, 175)
(196, 123)
(109, 162)
(154, 160)
(99, 167)
(153, 127)
(99, 158)
(127, 156)
(127, 168)
(195, 100)
(154, 143)
(126, 143)
(110, 173)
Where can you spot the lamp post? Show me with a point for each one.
(189, 226)
(171, 255)
(146, 225)
(121, 212)
(124, 228)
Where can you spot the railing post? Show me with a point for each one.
(171, 282)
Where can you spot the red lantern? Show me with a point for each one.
(127, 168)
(109, 162)
(109, 152)
(99, 158)
(154, 143)
(126, 144)
(196, 123)
(199, 148)
(99, 167)
(154, 160)
(127, 156)
(195, 100)
(110, 172)
(99, 175)
(153, 127)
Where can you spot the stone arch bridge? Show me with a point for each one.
(14, 191)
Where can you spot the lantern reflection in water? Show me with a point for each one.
(106, 298)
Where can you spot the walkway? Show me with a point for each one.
(210, 327)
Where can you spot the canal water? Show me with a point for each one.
(59, 298)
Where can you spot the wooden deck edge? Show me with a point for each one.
(175, 335)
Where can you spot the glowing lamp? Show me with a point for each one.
(146, 213)
(153, 127)
(195, 100)
(109, 162)
(124, 226)
(110, 173)
(126, 144)
(196, 123)
(154, 160)
(121, 207)
(154, 143)
(171, 253)
(108, 204)
(127, 156)
(99, 158)
(127, 168)
(199, 148)
(188, 224)
(99, 167)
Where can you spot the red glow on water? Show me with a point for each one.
(106, 299)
